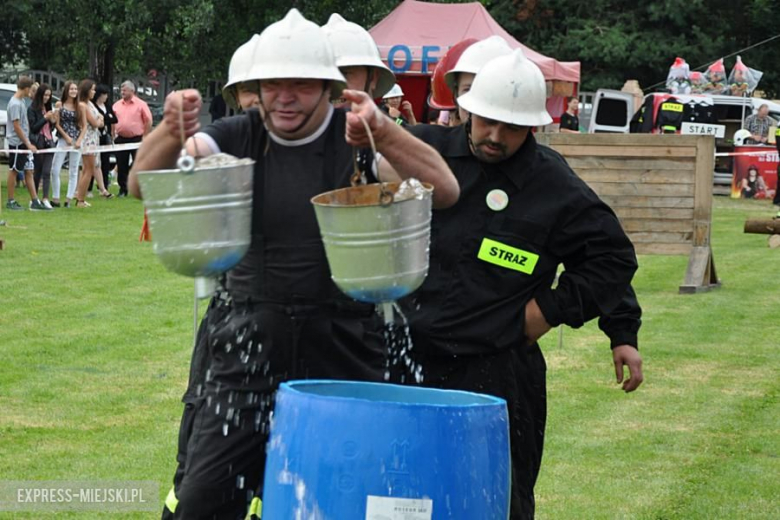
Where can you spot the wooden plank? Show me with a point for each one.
(700, 275)
(639, 140)
(642, 190)
(665, 237)
(625, 151)
(650, 225)
(702, 209)
(636, 176)
(655, 213)
(605, 163)
(642, 248)
(628, 201)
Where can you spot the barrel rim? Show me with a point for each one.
(478, 400)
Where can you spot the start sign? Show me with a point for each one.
(703, 129)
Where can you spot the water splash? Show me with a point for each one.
(400, 364)
(410, 189)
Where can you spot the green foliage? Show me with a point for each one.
(13, 44)
(616, 41)
(192, 41)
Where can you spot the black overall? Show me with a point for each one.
(279, 317)
(467, 319)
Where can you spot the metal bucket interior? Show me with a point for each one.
(376, 253)
(201, 221)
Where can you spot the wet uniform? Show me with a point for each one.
(278, 317)
(467, 319)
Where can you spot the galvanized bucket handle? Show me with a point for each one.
(186, 162)
(385, 195)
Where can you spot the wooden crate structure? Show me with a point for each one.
(660, 187)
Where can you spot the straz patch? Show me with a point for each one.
(507, 257)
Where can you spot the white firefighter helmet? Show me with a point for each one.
(475, 57)
(294, 47)
(394, 92)
(241, 69)
(510, 89)
(740, 136)
(353, 46)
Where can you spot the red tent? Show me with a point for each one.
(416, 34)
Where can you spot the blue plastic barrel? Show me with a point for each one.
(371, 451)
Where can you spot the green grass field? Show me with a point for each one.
(95, 338)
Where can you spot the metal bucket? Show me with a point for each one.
(343, 450)
(377, 253)
(201, 221)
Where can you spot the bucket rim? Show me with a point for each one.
(146, 173)
(393, 185)
(436, 398)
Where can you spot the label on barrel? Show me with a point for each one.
(391, 508)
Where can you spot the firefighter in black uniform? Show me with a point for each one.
(670, 116)
(281, 317)
(622, 324)
(494, 255)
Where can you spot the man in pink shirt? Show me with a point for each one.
(134, 121)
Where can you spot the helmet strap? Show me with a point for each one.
(468, 134)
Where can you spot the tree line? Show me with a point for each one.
(192, 41)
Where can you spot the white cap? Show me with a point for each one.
(353, 46)
(294, 47)
(241, 70)
(475, 57)
(394, 92)
(510, 89)
(740, 136)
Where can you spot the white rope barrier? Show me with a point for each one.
(92, 150)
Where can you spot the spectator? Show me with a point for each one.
(134, 121)
(758, 125)
(106, 136)
(33, 90)
(217, 108)
(27, 103)
(71, 131)
(400, 112)
(41, 118)
(570, 123)
(18, 136)
(93, 122)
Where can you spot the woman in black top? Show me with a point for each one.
(109, 118)
(42, 119)
(570, 123)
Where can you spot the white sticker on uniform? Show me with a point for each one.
(497, 200)
(390, 508)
